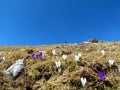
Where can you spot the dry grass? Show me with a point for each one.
(42, 74)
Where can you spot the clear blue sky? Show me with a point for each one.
(35, 22)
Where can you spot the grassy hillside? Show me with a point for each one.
(42, 74)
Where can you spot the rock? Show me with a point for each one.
(15, 69)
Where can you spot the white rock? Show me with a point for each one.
(15, 68)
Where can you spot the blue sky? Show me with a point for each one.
(36, 22)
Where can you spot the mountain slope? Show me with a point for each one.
(42, 74)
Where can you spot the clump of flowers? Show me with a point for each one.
(38, 55)
(77, 57)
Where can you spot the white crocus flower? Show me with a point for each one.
(3, 58)
(111, 62)
(54, 52)
(64, 56)
(77, 57)
(58, 64)
(83, 81)
(103, 52)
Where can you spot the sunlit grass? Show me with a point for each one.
(43, 74)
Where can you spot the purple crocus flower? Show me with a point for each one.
(101, 74)
(33, 55)
(39, 55)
